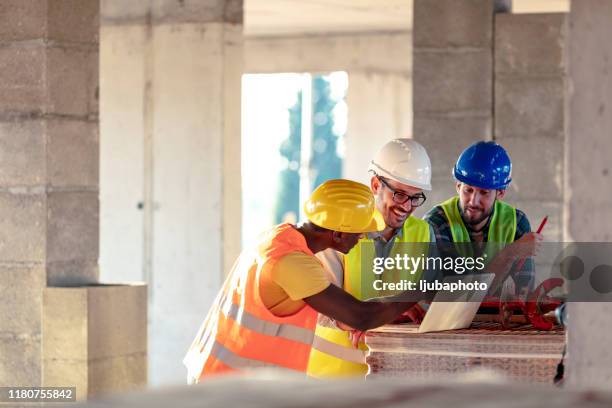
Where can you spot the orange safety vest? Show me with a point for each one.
(239, 332)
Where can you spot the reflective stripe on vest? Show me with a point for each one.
(251, 322)
(239, 331)
(341, 359)
(236, 362)
(329, 347)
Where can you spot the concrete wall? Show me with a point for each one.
(122, 170)
(372, 52)
(588, 205)
(170, 77)
(95, 338)
(379, 93)
(531, 98)
(379, 109)
(453, 83)
(48, 168)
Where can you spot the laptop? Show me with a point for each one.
(459, 313)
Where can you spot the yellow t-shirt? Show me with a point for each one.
(294, 277)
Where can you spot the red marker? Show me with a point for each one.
(542, 224)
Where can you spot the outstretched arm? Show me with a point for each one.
(341, 306)
(525, 247)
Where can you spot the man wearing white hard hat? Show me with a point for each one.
(400, 173)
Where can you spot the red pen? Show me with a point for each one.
(542, 224)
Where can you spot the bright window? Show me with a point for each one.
(285, 156)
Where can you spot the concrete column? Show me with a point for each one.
(95, 338)
(531, 99)
(182, 64)
(48, 167)
(588, 203)
(453, 83)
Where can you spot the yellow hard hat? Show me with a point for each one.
(344, 206)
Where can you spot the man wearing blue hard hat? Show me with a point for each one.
(477, 213)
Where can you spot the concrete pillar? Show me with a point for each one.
(182, 64)
(588, 204)
(453, 83)
(48, 167)
(531, 99)
(95, 338)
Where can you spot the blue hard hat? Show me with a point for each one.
(484, 165)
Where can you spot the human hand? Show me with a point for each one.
(356, 336)
(416, 313)
(527, 246)
(413, 315)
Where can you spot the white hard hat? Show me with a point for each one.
(404, 161)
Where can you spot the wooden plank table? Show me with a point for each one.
(522, 354)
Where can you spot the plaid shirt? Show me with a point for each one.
(442, 230)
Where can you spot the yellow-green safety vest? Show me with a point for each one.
(502, 228)
(332, 354)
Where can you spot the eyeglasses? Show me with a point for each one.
(399, 197)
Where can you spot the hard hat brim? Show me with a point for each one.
(479, 184)
(377, 223)
(379, 170)
(484, 164)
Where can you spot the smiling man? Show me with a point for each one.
(478, 215)
(400, 173)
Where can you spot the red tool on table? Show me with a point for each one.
(537, 303)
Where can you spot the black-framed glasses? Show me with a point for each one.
(400, 197)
